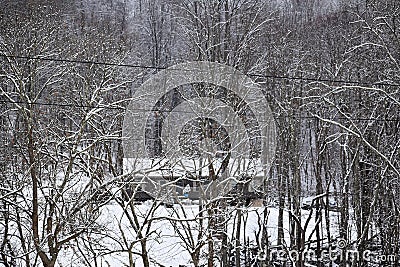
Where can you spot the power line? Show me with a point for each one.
(61, 105)
(280, 77)
(321, 80)
(83, 62)
(163, 68)
(179, 111)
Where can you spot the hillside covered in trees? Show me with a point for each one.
(329, 70)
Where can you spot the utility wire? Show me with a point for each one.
(61, 105)
(163, 68)
(83, 62)
(280, 77)
(179, 111)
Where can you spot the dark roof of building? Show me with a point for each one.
(141, 195)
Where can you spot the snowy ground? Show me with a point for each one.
(164, 245)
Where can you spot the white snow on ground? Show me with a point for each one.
(164, 246)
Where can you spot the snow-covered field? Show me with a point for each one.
(165, 247)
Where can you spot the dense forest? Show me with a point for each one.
(330, 71)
